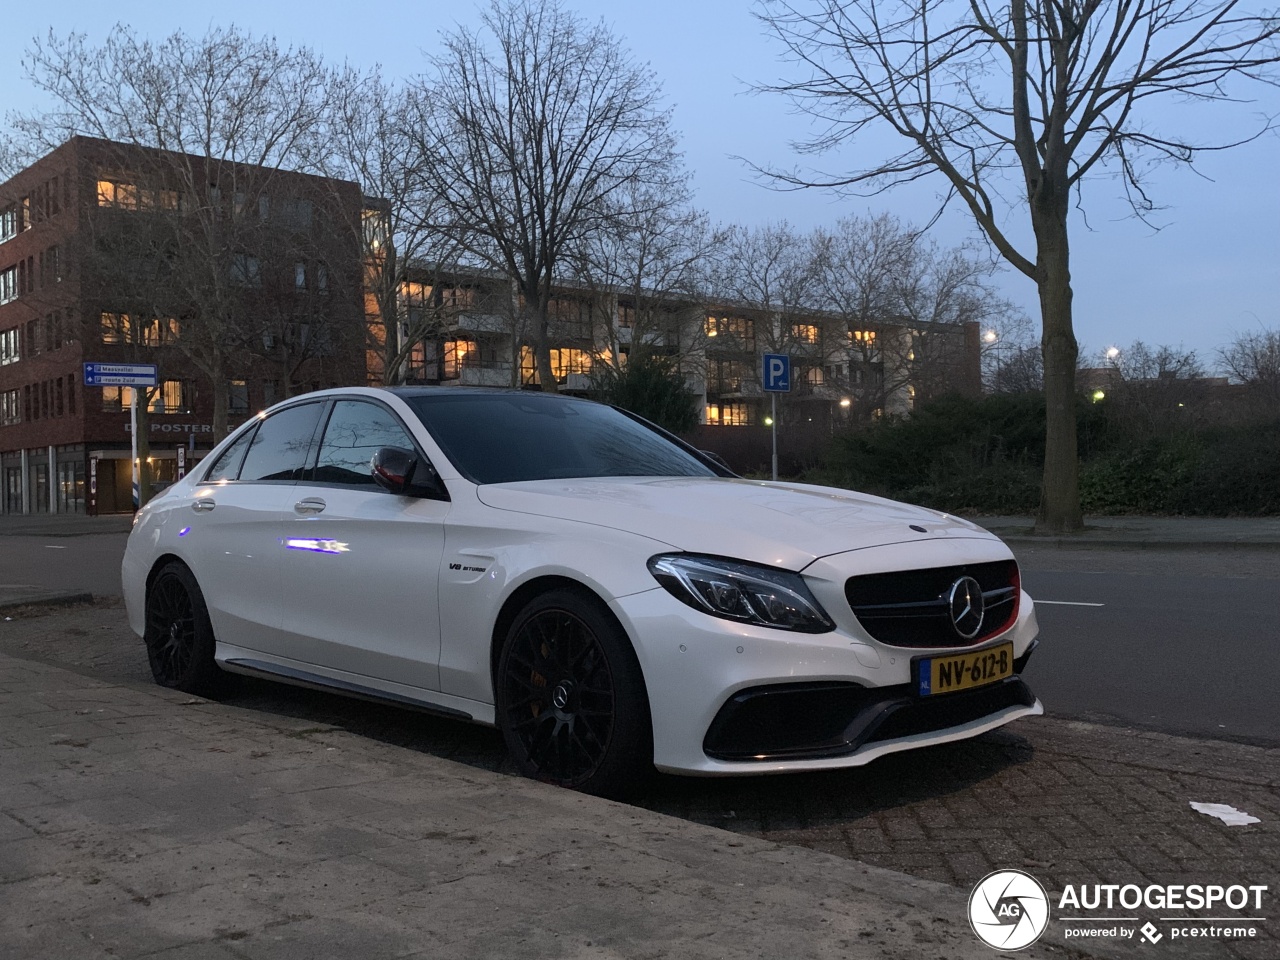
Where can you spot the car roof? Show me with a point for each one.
(436, 391)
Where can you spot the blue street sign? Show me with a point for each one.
(120, 374)
(777, 373)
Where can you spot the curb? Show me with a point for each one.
(45, 600)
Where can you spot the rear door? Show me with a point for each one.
(233, 540)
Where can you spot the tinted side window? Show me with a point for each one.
(355, 432)
(227, 466)
(280, 447)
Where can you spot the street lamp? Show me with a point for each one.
(990, 336)
(1113, 352)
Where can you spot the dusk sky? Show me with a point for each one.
(1209, 274)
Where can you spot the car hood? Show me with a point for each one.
(781, 524)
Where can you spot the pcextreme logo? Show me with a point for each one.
(1008, 910)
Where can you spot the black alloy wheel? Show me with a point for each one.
(571, 701)
(178, 634)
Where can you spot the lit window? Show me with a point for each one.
(456, 355)
(728, 414)
(117, 398)
(805, 332)
(116, 328)
(564, 361)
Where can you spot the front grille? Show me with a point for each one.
(910, 608)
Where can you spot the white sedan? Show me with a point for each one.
(609, 597)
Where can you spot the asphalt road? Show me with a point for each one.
(1178, 641)
(84, 563)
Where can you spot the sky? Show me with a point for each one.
(1207, 275)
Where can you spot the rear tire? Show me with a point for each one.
(571, 700)
(178, 634)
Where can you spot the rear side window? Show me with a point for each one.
(280, 448)
(227, 466)
(355, 432)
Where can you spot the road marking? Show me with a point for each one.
(1068, 603)
(50, 546)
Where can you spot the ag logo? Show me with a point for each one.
(1008, 910)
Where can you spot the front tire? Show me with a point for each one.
(178, 634)
(571, 700)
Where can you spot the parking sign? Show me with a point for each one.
(777, 373)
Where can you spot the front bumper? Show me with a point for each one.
(729, 698)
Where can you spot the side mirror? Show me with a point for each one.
(716, 459)
(400, 471)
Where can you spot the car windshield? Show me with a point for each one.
(501, 438)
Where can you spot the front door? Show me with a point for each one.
(361, 565)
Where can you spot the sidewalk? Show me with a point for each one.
(1147, 532)
(142, 822)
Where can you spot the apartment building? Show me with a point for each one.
(471, 329)
(219, 273)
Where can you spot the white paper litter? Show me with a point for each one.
(1226, 813)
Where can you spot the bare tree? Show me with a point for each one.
(1253, 359)
(1155, 387)
(906, 305)
(405, 253)
(648, 271)
(1029, 98)
(200, 128)
(534, 125)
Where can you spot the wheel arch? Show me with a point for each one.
(526, 592)
(160, 563)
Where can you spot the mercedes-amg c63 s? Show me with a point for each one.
(609, 597)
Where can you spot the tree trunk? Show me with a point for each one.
(220, 409)
(1060, 491)
(542, 353)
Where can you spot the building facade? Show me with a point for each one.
(241, 283)
(472, 330)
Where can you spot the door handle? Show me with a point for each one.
(203, 505)
(309, 505)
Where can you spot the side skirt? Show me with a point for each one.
(313, 681)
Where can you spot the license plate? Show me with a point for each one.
(963, 671)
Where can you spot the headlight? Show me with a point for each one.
(741, 591)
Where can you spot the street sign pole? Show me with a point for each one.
(774, 398)
(133, 376)
(133, 436)
(776, 380)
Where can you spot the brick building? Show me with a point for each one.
(242, 283)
